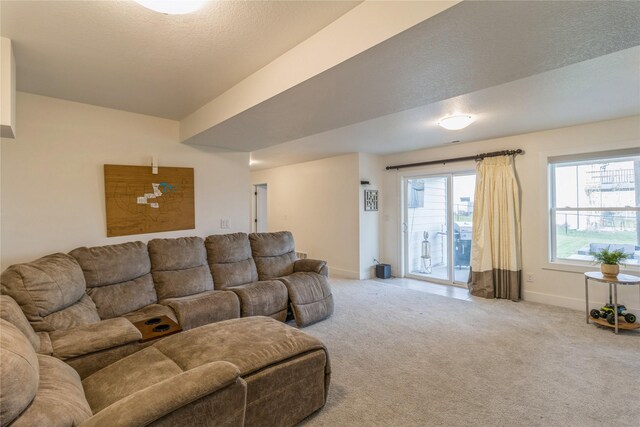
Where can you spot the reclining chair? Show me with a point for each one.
(305, 279)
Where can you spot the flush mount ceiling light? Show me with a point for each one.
(457, 122)
(172, 7)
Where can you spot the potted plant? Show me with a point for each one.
(609, 260)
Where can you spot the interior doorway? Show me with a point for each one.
(437, 227)
(260, 220)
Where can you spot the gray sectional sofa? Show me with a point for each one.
(71, 354)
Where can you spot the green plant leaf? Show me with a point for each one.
(606, 256)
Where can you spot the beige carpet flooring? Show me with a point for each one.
(402, 357)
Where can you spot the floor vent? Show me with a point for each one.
(301, 255)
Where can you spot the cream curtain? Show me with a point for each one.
(495, 246)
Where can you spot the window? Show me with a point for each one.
(594, 204)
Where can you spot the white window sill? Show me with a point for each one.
(583, 267)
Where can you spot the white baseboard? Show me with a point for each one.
(367, 274)
(339, 273)
(574, 303)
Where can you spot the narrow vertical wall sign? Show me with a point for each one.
(138, 201)
(370, 200)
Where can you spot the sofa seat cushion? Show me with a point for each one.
(18, 372)
(250, 343)
(11, 312)
(204, 308)
(127, 376)
(90, 363)
(310, 295)
(152, 310)
(95, 337)
(48, 291)
(60, 399)
(210, 395)
(179, 267)
(266, 298)
(118, 277)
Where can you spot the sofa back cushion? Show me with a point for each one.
(11, 312)
(19, 372)
(274, 254)
(118, 277)
(50, 292)
(179, 267)
(230, 260)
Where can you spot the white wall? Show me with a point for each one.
(53, 184)
(565, 288)
(318, 202)
(7, 89)
(370, 167)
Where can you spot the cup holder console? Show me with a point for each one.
(161, 328)
(156, 327)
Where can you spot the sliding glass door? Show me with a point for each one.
(427, 227)
(438, 210)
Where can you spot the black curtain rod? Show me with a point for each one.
(460, 159)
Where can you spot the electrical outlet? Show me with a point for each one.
(224, 223)
(530, 277)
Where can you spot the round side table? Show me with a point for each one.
(613, 282)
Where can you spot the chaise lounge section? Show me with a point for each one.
(146, 389)
(252, 371)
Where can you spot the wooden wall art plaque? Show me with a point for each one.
(139, 202)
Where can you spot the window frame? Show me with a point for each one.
(566, 264)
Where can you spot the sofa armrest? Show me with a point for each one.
(311, 266)
(93, 337)
(161, 399)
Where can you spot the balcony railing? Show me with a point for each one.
(611, 180)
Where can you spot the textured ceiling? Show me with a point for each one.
(120, 55)
(467, 48)
(603, 88)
